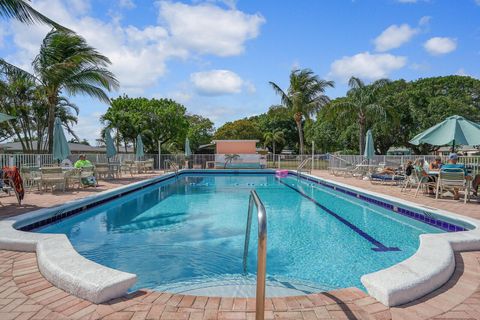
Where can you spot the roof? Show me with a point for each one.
(74, 148)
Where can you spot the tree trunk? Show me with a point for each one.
(298, 121)
(362, 123)
(51, 121)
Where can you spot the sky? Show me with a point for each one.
(217, 57)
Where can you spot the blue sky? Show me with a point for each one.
(216, 57)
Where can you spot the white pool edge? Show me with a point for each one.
(428, 269)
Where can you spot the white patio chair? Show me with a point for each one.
(101, 170)
(422, 181)
(127, 166)
(74, 176)
(452, 180)
(52, 177)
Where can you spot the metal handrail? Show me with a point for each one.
(302, 165)
(171, 164)
(261, 251)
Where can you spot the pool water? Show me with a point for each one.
(187, 235)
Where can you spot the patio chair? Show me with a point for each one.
(451, 180)
(149, 164)
(101, 170)
(87, 172)
(140, 165)
(31, 177)
(7, 186)
(52, 177)
(74, 176)
(127, 167)
(422, 180)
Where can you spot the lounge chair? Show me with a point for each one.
(383, 178)
(450, 180)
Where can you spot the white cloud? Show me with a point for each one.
(425, 20)
(216, 82)
(139, 55)
(440, 45)
(394, 36)
(127, 4)
(477, 2)
(209, 29)
(366, 65)
(88, 127)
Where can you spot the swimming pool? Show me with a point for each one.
(186, 234)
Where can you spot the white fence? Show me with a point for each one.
(320, 161)
(345, 161)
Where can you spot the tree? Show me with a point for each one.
(305, 97)
(361, 103)
(66, 63)
(200, 131)
(21, 97)
(246, 128)
(23, 12)
(273, 137)
(280, 118)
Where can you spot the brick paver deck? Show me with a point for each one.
(25, 294)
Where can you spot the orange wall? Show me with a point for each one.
(239, 147)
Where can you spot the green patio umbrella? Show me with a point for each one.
(369, 148)
(60, 145)
(454, 130)
(139, 153)
(188, 151)
(111, 151)
(5, 117)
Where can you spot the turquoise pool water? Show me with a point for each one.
(187, 234)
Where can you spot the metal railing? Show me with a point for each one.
(261, 251)
(303, 164)
(170, 165)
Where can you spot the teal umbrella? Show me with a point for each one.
(111, 151)
(60, 145)
(454, 130)
(369, 148)
(5, 117)
(139, 153)
(188, 151)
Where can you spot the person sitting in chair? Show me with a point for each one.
(81, 163)
(452, 165)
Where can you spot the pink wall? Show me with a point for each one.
(238, 147)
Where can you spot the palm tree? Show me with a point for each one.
(22, 11)
(362, 103)
(66, 63)
(273, 137)
(229, 158)
(305, 97)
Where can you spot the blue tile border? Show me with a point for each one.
(422, 217)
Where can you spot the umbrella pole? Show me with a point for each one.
(453, 146)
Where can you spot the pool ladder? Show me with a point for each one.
(171, 165)
(301, 167)
(261, 250)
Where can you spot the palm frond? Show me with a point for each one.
(22, 11)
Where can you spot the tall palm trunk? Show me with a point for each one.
(362, 123)
(298, 121)
(52, 101)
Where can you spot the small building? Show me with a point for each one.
(238, 154)
(235, 146)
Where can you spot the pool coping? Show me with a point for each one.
(428, 269)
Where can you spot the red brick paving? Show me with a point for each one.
(25, 294)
